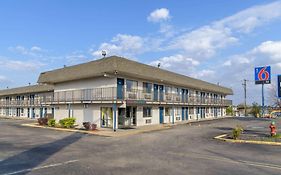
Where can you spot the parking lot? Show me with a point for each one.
(184, 149)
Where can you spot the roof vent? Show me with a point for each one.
(103, 53)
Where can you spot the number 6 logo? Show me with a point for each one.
(263, 74)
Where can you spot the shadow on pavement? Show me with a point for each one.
(33, 157)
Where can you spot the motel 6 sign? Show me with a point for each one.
(262, 75)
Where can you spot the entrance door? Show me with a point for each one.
(121, 117)
(28, 112)
(215, 112)
(155, 96)
(131, 113)
(186, 113)
(183, 113)
(33, 112)
(161, 115)
(203, 112)
(120, 87)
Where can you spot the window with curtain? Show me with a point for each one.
(147, 112)
(131, 85)
(147, 87)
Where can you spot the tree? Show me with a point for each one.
(229, 110)
(256, 110)
(272, 96)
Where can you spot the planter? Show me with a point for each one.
(42, 121)
(88, 126)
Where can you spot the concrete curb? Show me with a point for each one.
(99, 132)
(221, 137)
(18, 118)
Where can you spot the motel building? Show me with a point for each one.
(115, 92)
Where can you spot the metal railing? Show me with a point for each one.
(111, 93)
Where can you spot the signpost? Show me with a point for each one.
(263, 76)
(279, 86)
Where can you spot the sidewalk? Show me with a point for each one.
(107, 132)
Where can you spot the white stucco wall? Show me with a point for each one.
(99, 82)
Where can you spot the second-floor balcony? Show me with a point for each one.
(114, 94)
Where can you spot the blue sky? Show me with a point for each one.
(218, 41)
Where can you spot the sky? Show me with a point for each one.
(217, 41)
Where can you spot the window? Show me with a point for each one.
(146, 111)
(178, 91)
(167, 111)
(131, 85)
(168, 90)
(191, 111)
(147, 87)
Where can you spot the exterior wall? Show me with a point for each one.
(82, 113)
(99, 82)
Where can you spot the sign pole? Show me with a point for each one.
(262, 89)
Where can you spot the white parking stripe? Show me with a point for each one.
(226, 160)
(41, 167)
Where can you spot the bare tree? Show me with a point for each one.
(274, 100)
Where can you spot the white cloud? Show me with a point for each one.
(270, 48)
(3, 79)
(121, 44)
(159, 15)
(33, 51)
(205, 73)
(76, 58)
(251, 18)
(36, 49)
(174, 61)
(205, 41)
(29, 65)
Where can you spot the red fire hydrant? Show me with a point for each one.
(272, 128)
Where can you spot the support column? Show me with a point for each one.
(114, 117)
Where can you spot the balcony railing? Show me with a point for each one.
(112, 93)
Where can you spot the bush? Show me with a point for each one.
(42, 121)
(236, 132)
(67, 122)
(52, 123)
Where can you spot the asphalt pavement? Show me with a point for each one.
(184, 149)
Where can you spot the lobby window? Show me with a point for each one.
(147, 87)
(131, 85)
(167, 111)
(147, 112)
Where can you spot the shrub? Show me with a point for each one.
(67, 122)
(42, 121)
(236, 132)
(52, 123)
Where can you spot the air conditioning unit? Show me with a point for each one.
(148, 121)
(132, 96)
(168, 97)
(147, 96)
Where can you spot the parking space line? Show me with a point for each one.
(41, 167)
(226, 160)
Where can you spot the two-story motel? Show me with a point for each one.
(116, 92)
(27, 101)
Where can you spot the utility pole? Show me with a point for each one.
(245, 96)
